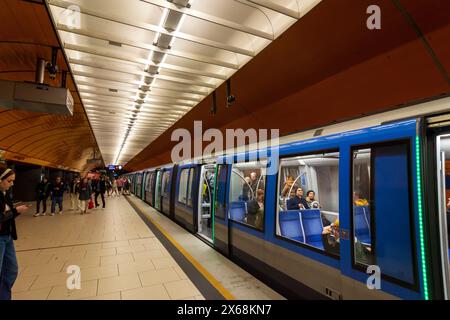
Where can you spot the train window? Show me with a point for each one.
(308, 202)
(220, 188)
(165, 183)
(362, 202)
(148, 182)
(247, 191)
(183, 186)
(381, 218)
(189, 187)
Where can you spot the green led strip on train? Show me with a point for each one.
(420, 209)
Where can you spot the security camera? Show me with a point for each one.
(52, 70)
(230, 97)
(230, 100)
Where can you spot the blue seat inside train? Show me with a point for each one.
(238, 210)
(312, 227)
(362, 225)
(291, 225)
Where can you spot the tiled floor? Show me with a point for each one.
(237, 281)
(119, 257)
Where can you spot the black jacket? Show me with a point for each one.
(292, 204)
(7, 222)
(43, 189)
(58, 189)
(101, 187)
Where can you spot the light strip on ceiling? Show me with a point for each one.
(139, 100)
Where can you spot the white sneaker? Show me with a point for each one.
(43, 214)
(36, 215)
(60, 212)
(52, 214)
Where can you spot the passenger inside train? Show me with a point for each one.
(330, 238)
(298, 202)
(310, 199)
(247, 194)
(303, 218)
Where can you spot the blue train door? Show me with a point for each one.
(220, 226)
(378, 251)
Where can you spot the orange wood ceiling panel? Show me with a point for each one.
(327, 68)
(26, 34)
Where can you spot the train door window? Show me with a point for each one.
(247, 192)
(382, 218)
(308, 202)
(183, 186)
(189, 187)
(221, 182)
(206, 195)
(149, 179)
(443, 187)
(165, 183)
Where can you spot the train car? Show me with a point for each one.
(348, 202)
(347, 174)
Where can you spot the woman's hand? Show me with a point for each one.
(22, 208)
(326, 230)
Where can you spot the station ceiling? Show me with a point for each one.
(143, 64)
(26, 34)
(141, 69)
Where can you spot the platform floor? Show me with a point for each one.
(121, 258)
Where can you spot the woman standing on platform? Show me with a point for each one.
(8, 261)
(85, 195)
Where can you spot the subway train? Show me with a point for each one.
(356, 210)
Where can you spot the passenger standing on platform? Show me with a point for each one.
(42, 193)
(73, 193)
(108, 186)
(114, 187)
(95, 190)
(126, 186)
(57, 191)
(85, 195)
(9, 268)
(120, 185)
(101, 189)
